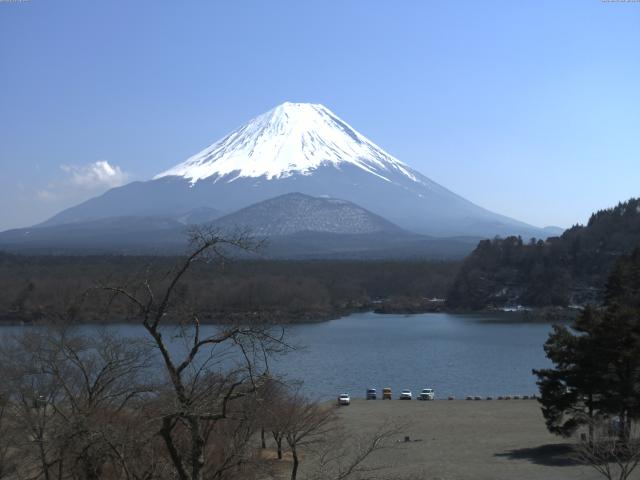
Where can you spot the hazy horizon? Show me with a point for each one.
(529, 110)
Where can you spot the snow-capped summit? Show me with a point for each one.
(292, 138)
(303, 148)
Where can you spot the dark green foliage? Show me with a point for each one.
(622, 285)
(559, 271)
(39, 288)
(569, 391)
(597, 360)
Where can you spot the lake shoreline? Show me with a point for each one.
(545, 315)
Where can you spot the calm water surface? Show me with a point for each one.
(479, 354)
(454, 354)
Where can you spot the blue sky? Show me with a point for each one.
(528, 108)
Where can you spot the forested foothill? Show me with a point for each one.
(38, 288)
(561, 271)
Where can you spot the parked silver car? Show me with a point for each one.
(427, 394)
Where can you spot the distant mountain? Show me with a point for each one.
(294, 226)
(552, 231)
(152, 235)
(197, 215)
(124, 234)
(301, 226)
(300, 147)
(570, 269)
(294, 213)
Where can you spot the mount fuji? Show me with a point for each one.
(295, 172)
(305, 148)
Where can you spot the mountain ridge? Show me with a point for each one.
(296, 212)
(305, 148)
(294, 226)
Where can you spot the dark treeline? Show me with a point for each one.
(32, 287)
(563, 270)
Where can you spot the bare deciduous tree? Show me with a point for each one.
(344, 456)
(186, 401)
(7, 462)
(64, 392)
(272, 398)
(612, 455)
(306, 424)
(206, 379)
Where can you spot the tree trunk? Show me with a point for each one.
(176, 459)
(623, 427)
(91, 469)
(43, 455)
(591, 419)
(197, 449)
(278, 439)
(296, 463)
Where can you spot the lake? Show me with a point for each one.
(476, 354)
(459, 355)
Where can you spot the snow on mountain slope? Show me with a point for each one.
(292, 138)
(300, 147)
(294, 212)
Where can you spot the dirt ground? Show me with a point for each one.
(460, 439)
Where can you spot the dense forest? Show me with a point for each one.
(559, 271)
(41, 288)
